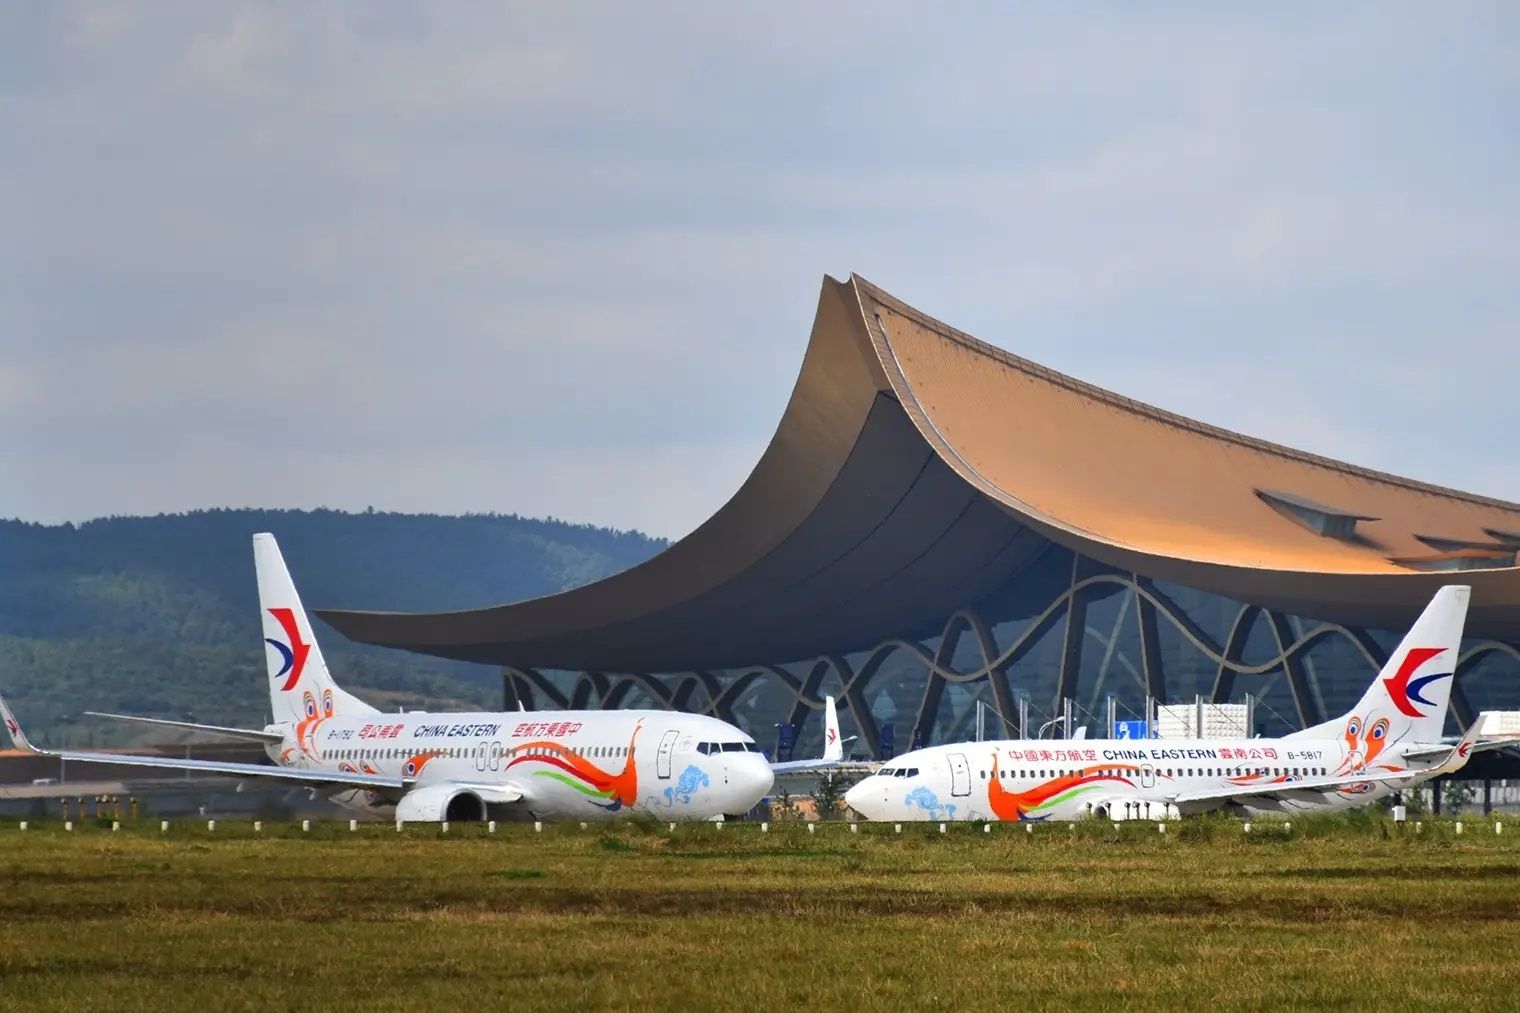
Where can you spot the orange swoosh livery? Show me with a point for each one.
(413, 767)
(1021, 805)
(610, 791)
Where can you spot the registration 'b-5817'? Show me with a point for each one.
(1391, 740)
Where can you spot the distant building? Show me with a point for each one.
(937, 522)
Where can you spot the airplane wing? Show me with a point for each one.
(809, 766)
(232, 733)
(268, 772)
(496, 793)
(1285, 789)
(262, 771)
(1474, 739)
(1455, 759)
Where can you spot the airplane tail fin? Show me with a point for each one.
(1408, 699)
(300, 686)
(13, 728)
(833, 745)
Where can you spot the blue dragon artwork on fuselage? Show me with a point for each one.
(691, 781)
(929, 802)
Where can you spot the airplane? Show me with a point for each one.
(833, 752)
(1389, 742)
(435, 767)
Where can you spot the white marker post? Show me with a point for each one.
(258, 826)
(163, 826)
(491, 827)
(210, 825)
(353, 825)
(306, 826)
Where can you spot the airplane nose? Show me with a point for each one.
(856, 796)
(751, 780)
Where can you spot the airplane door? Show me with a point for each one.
(662, 757)
(960, 774)
(1147, 776)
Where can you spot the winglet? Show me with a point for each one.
(13, 728)
(833, 745)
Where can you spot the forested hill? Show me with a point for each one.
(159, 615)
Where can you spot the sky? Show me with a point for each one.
(562, 259)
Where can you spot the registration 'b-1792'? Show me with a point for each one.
(583, 765)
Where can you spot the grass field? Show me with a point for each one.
(1354, 913)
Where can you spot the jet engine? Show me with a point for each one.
(439, 802)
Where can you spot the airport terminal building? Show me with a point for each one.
(938, 522)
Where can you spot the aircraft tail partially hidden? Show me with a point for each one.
(1408, 699)
(18, 737)
(833, 745)
(300, 686)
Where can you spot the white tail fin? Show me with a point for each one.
(833, 745)
(300, 687)
(18, 737)
(1407, 701)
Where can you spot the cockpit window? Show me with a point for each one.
(709, 748)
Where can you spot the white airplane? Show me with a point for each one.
(581, 765)
(1389, 742)
(833, 751)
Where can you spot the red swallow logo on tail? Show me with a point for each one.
(294, 653)
(1404, 691)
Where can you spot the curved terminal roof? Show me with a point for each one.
(916, 469)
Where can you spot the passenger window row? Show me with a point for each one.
(1006, 773)
(463, 752)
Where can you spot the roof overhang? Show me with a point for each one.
(916, 469)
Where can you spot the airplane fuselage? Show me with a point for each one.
(1115, 778)
(581, 765)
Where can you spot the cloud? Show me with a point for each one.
(564, 260)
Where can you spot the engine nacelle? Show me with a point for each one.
(439, 802)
